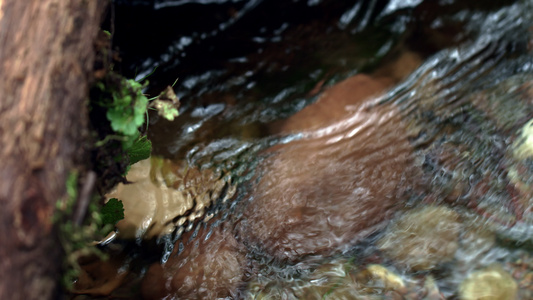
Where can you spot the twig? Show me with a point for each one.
(84, 198)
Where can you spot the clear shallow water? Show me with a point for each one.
(400, 182)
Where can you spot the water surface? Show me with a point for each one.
(373, 150)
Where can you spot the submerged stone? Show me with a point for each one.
(163, 195)
(492, 283)
(337, 278)
(390, 279)
(320, 194)
(211, 266)
(423, 238)
(336, 103)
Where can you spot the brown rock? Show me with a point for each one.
(423, 238)
(335, 103)
(337, 184)
(339, 101)
(209, 268)
(399, 68)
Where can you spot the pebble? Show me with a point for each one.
(491, 283)
(423, 238)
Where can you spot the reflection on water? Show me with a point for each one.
(410, 180)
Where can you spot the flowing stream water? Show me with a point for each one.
(331, 150)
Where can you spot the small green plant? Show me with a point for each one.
(127, 111)
(139, 150)
(125, 106)
(78, 240)
(166, 104)
(112, 212)
(118, 111)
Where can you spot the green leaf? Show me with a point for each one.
(141, 149)
(112, 211)
(126, 114)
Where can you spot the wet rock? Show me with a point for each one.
(338, 184)
(337, 278)
(492, 283)
(339, 101)
(211, 266)
(379, 273)
(163, 194)
(334, 104)
(423, 238)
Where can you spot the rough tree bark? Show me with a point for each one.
(46, 57)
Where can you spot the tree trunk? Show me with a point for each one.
(46, 58)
